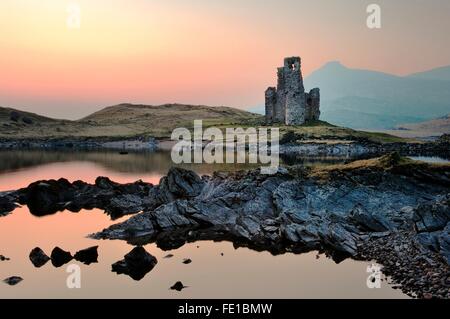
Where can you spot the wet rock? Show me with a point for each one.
(178, 286)
(12, 281)
(136, 264)
(87, 256)
(60, 257)
(51, 196)
(44, 198)
(7, 202)
(444, 243)
(433, 216)
(38, 257)
(181, 183)
(370, 220)
(105, 183)
(187, 261)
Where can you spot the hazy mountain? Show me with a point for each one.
(442, 73)
(369, 99)
(375, 100)
(433, 127)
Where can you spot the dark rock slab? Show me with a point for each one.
(38, 257)
(48, 197)
(433, 216)
(180, 183)
(178, 286)
(87, 256)
(444, 243)
(136, 264)
(12, 281)
(7, 202)
(60, 257)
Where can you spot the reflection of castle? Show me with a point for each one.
(288, 103)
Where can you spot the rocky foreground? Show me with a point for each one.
(392, 210)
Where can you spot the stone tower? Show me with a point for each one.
(288, 103)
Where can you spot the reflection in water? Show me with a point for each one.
(141, 162)
(218, 269)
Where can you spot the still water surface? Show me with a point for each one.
(239, 273)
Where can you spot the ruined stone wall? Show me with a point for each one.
(294, 92)
(291, 105)
(271, 101)
(280, 107)
(313, 105)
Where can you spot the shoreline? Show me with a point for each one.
(316, 148)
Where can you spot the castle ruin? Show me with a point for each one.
(288, 103)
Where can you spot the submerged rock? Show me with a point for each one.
(136, 264)
(38, 257)
(87, 256)
(12, 281)
(60, 257)
(178, 286)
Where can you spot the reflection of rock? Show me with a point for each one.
(12, 281)
(168, 256)
(38, 257)
(87, 256)
(60, 257)
(136, 264)
(187, 261)
(178, 286)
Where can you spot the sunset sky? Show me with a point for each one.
(214, 52)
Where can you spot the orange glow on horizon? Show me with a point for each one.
(188, 51)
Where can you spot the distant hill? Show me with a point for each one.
(434, 127)
(442, 73)
(166, 117)
(20, 117)
(123, 120)
(374, 100)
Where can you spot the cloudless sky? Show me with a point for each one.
(213, 52)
